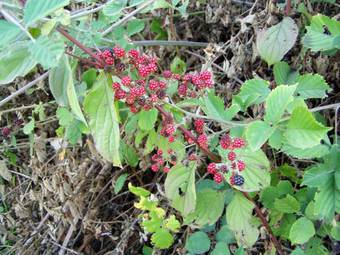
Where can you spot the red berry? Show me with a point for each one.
(192, 157)
(119, 52)
(120, 94)
(126, 80)
(212, 168)
(223, 168)
(238, 143)
(199, 125)
(187, 77)
(241, 165)
(176, 76)
(203, 141)
(225, 142)
(182, 90)
(5, 131)
(115, 85)
(109, 61)
(166, 169)
(205, 75)
(231, 156)
(143, 71)
(162, 84)
(218, 178)
(133, 53)
(154, 98)
(153, 85)
(167, 74)
(133, 109)
(130, 99)
(170, 129)
(159, 152)
(171, 139)
(155, 167)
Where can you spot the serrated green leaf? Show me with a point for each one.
(180, 188)
(214, 108)
(64, 116)
(316, 39)
(277, 102)
(311, 86)
(114, 8)
(135, 26)
(60, 78)
(15, 61)
(9, 31)
(198, 243)
(257, 133)
(302, 230)
(29, 127)
(103, 120)
(317, 151)
(120, 183)
(317, 176)
(254, 91)
(273, 43)
(37, 9)
(221, 248)
(47, 51)
(303, 131)
(172, 223)
(178, 66)
(147, 119)
(162, 239)
(207, 199)
(288, 204)
(239, 219)
(283, 74)
(74, 130)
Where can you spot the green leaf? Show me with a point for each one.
(225, 235)
(135, 26)
(114, 8)
(178, 66)
(198, 243)
(162, 239)
(303, 131)
(74, 131)
(4, 172)
(273, 43)
(207, 199)
(15, 61)
(257, 133)
(29, 127)
(172, 224)
(47, 51)
(277, 102)
(138, 191)
(316, 39)
(298, 251)
(312, 86)
(214, 108)
(65, 116)
(302, 230)
(284, 75)
(317, 151)
(180, 188)
(240, 220)
(221, 248)
(103, 120)
(254, 91)
(9, 31)
(37, 9)
(318, 176)
(147, 250)
(288, 204)
(120, 183)
(147, 119)
(60, 78)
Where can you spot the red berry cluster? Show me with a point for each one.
(233, 164)
(159, 162)
(6, 131)
(191, 84)
(168, 129)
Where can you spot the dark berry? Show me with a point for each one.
(237, 180)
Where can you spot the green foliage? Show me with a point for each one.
(198, 243)
(9, 32)
(178, 66)
(120, 183)
(147, 119)
(317, 40)
(274, 43)
(103, 120)
(302, 230)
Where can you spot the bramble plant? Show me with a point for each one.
(172, 122)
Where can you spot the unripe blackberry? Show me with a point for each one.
(120, 67)
(159, 152)
(130, 99)
(120, 94)
(161, 94)
(143, 71)
(154, 98)
(225, 141)
(170, 129)
(134, 109)
(119, 52)
(205, 75)
(133, 53)
(223, 168)
(171, 139)
(199, 125)
(166, 169)
(192, 157)
(238, 143)
(126, 80)
(115, 85)
(176, 76)
(237, 180)
(211, 169)
(241, 165)
(153, 85)
(182, 90)
(167, 74)
(231, 156)
(203, 141)
(141, 101)
(218, 178)
(155, 167)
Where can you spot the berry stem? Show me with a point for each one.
(217, 159)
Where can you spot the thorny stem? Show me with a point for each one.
(186, 132)
(288, 7)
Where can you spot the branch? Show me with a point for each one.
(217, 159)
(170, 43)
(23, 89)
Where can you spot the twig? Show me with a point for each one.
(288, 7)
(13, 20)
(23, 89)
(170, 43)
(127, 17)
(66, 240)
(325, 107)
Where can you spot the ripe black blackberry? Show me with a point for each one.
(237, 180)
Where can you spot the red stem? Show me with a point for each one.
(187, 133)
(288, 7)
